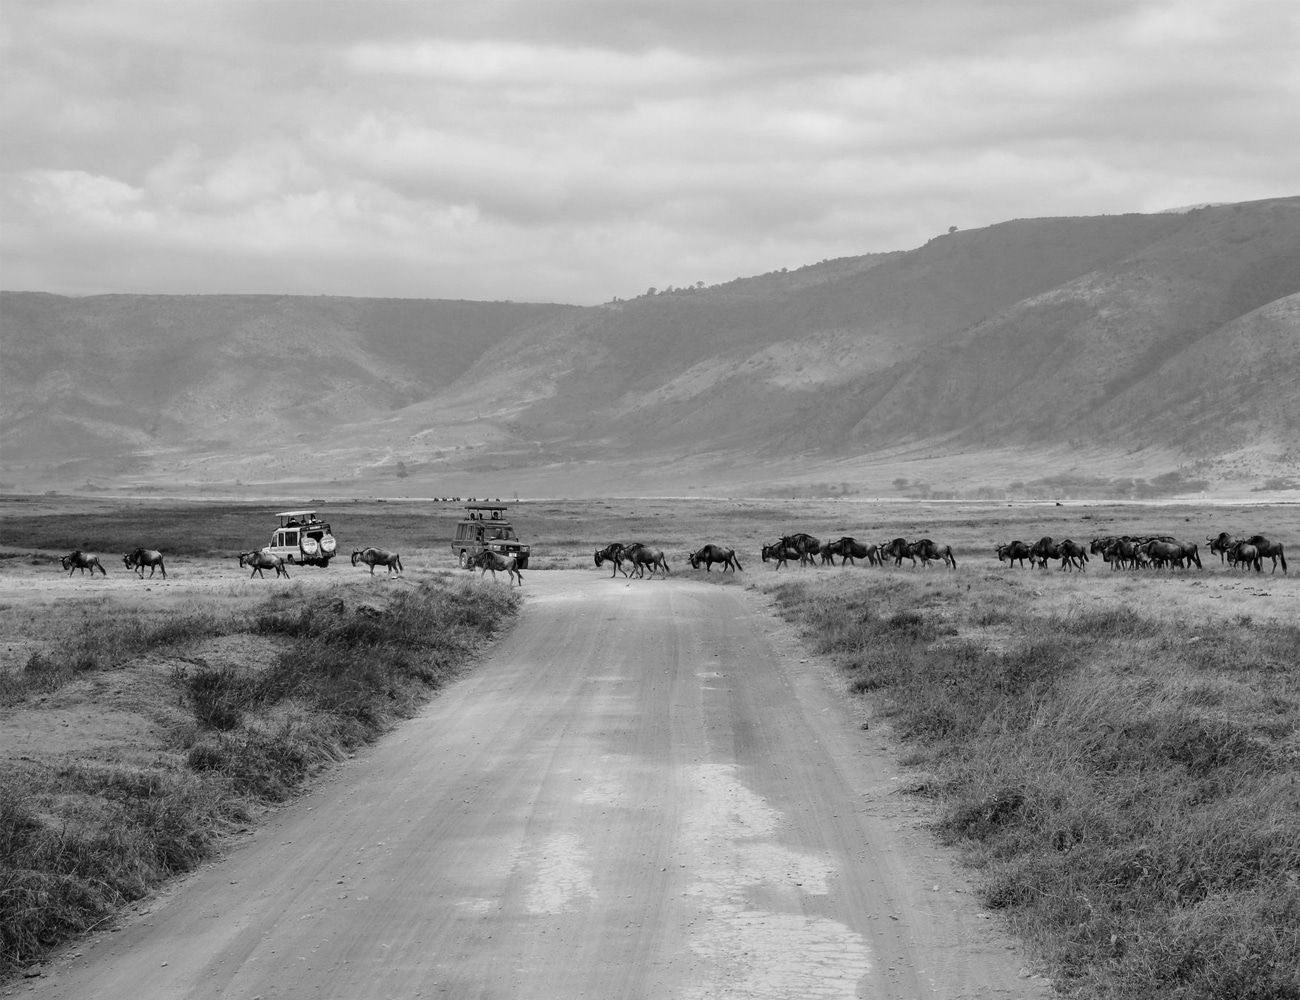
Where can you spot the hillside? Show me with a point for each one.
(1082, 351)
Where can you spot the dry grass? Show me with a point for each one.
(1116, 752)
(87, 825)
(1127, 783)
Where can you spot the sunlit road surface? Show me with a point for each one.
(645, 790)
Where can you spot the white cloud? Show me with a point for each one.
(570, 151)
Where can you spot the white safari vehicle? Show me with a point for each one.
(302, 538)
(485, 527)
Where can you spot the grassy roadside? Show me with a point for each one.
(83, 833)
(1128, 786)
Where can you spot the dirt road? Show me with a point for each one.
(644, 791)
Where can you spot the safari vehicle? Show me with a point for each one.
(485, 528)
(302, 538)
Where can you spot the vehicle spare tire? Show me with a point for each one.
(328, 545)
(309, 547)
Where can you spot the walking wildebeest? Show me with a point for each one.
(263, 560)
(1269, 550)
(141, 558)
(1013, 551)
(497, 563)
(641, 556)
(1221, 545)
(805, 544)
(898, 548)
(1073, 554)
(373, 557)
(715, 553)
(780, 553)
(82, 561)
(929, 552)
(849, 549)
(1247, 555)
(612, 552)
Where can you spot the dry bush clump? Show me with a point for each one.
(83, 833)
(1128, 786)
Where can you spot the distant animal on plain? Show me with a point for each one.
(260, 560)
(82, 561)
(1269, 550)
(850, 549)
(641, 556)
(613, 553)
(1012, 552)
(928, 551)
(780, 553)
(497, 563)
(898, 549)
(373, 557)
(141, 558)
(711, 554)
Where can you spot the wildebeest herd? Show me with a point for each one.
(633, 559)
(1119, 552)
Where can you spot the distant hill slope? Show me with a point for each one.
(1144, 343)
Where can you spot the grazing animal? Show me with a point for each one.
(1163, 553)
(378, 557)
(1074, 555)
(497, 563)
(1245, 555)
(82, 561)
(1269, 550)
(263, 560)
(715, 553)
(929, 552)
(899, 549)
(780, 553)
(849, 549)
(141, 558)
(1013, 551)
(641, 556)
(612, 553)
(805, 544)
(1221, 545)
(1043, 550)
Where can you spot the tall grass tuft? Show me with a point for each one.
(79, 840)
(1130, 793)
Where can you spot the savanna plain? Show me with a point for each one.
(1115, 754)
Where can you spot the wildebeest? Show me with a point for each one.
(849, 548)
(898, 548)
(263, 560)
(1221, 545)
(141, 558)
(928, 551)
(641, 556)
(82, 561)
(497, 563)
(373, 557)
(1043, 550)
(780, 553)
(1247, 555)
(612, 553)
(1163, 553)
(1074, 555)
(1012, 551)
(1269, 550)
(711, 554)
(805, 544)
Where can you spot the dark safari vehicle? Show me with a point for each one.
(302, 538)
(485, 528)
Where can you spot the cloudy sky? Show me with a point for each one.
(577, 151)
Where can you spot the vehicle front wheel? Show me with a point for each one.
(464, 559)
